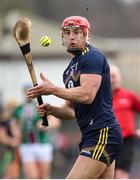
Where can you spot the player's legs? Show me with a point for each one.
(30, 170)
(109, 172)
(44, 170)
(121, 174)
(124, 159)
(44, 156)
(13, 169)
(27, 154)
(86, 168)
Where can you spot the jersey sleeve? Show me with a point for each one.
(136, 102)
(17, 112)
(92, 63)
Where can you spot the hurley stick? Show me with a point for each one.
(21, 33)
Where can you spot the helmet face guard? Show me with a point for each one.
(76, 22)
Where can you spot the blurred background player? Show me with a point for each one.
(89, 99)
(36, 151)
(126, 103)
(9, 142)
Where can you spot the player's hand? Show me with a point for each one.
(44, 109)
(137, 133)
(45, 88)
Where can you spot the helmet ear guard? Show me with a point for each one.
(63, 42)
(87, 36)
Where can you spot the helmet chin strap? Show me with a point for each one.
(76, 51)
(73, 51)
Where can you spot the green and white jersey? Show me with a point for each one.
(28, 117)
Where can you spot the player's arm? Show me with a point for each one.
(16, 130)
(8, 140)
(54, 123)
(85, 93)
(136, 102)
(64, 112)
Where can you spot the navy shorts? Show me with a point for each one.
(102, 144)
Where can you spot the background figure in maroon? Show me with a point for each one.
(125, 103)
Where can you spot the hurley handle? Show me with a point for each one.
(45, 120)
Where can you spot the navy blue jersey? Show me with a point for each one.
(99, 113)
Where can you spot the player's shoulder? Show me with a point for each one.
(91, 51)
(92, 54)
(18, 109)
(20, 106)
(126, 91)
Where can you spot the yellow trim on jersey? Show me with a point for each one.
(75, 78)
(85, 51)
(99, 149)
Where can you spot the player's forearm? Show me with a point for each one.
(66, 113)
(77, 94)
(6, 140)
